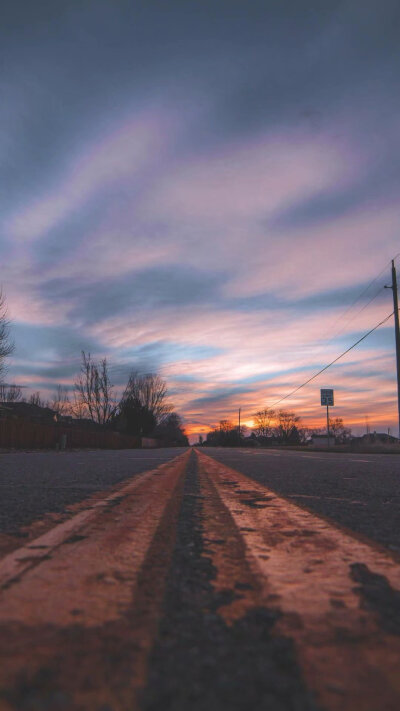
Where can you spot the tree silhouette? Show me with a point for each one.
(6, 345)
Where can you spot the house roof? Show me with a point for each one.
(27, 409)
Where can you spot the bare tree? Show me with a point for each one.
(338, 430)
(226, 426)
(287, 425)
(10, 393)
(35, 399)
(78, 408)
(6, 345)
(94, 390)
(150, 392)
(263, 422)
(60, 402)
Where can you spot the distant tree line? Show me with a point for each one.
(143, 409)
(273, 427)
(6, 344)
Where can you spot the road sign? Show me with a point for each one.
(327, 397)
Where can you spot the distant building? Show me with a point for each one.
(44, 416)
(27, 411)
(250, 442)
(82, 423)
(322, 440)
(379, 437)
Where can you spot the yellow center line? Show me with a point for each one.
(304, 565)
(76, 598)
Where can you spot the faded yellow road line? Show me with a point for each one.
(82, 601)
(302, 565)
(15, 564)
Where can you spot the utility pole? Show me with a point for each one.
(239, 423)
(327, 426)
(393, 287)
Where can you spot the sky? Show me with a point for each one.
(204, 189)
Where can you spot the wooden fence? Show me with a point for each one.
(22, 434)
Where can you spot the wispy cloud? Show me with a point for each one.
(124, 156)
(203, 190)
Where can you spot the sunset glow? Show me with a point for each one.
(203, 192)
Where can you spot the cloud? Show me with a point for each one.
(246, 181)
(124, 155)
(203, 189)
(148, 289)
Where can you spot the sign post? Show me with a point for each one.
(327, 399)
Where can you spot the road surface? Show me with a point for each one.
(199, 582)
(359, 491)
(36, 483)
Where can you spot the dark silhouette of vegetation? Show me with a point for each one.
(60, 401)
(273, 428)
(263, 420)
(35, 399)
(10, 393)
(94, 391)
(134, 418)
(144, 411)
(286, 430)
(225, 435)
(338, 430)
(6, 344)
(151, 392)
(170, 431)
(144, 405)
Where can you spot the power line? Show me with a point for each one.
(357, 313)
(334, 361)
(351, 318)
(363, 292)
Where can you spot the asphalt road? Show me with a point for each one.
(359, 491)
(200, 661)
(191, 586)
(33, 484)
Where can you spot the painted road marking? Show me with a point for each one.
(83, 588)
(21, 560)
(312, 571)
(93, 587)
(17, 564)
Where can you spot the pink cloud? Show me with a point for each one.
(251, 181)
(278, 346)
(305, 261)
